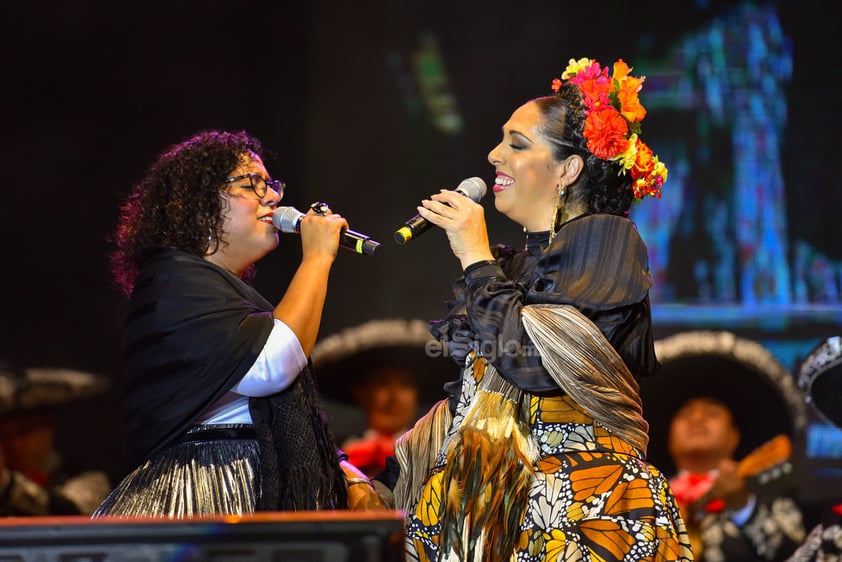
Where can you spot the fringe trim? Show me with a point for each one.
(189, 479)
(299, 464)
(416, 452)
(489, 471)
(587, 367)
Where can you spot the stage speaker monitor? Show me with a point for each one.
(313, 536)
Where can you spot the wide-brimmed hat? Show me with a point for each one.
(820, 377)
(31, 389)
(741, 373)
(343, 360)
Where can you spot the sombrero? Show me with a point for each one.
(24, 390)
(342, 360)
(743, 374)
(820, 377)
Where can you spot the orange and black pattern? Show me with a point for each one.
(593, 498)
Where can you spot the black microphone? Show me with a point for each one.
(472, 188)
(288, 219)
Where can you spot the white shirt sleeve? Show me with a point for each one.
(277, 366)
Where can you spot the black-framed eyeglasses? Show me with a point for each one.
(259, 185)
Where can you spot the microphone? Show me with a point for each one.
(288, 220)
(472, 188)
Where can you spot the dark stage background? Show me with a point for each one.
(373, 105)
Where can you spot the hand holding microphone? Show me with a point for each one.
(288, 220)
(463, 220)
(472, 188)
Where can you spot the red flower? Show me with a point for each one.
(606, 132)
(647, 186)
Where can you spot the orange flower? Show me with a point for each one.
(621, 69)
(644, 161)
(627, 87)
(606, 132)
(630, 105)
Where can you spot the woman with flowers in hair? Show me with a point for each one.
(541, 454)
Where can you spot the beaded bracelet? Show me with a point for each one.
(351, 481)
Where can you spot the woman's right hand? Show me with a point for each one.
(464, 222)
(320, 234)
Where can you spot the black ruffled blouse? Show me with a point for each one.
(597, 263)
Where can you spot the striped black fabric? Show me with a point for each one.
(597, 263)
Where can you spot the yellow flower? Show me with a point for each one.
(628, 158)
(575, 66)
(660, 170)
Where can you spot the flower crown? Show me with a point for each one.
(612, 121)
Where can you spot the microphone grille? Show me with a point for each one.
(287, 219)
(473, 188)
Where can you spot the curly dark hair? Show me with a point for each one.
(177, 203)
(600, 187)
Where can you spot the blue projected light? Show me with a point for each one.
(824, 441)
(719, 236)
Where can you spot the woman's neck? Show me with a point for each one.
(219, 259)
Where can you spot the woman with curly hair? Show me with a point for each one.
(221, 412)
(543, 453)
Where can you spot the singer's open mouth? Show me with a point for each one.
(502, 182)
(266, 218)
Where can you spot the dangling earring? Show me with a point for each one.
(557, 212)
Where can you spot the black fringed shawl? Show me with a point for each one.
(192, 332)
